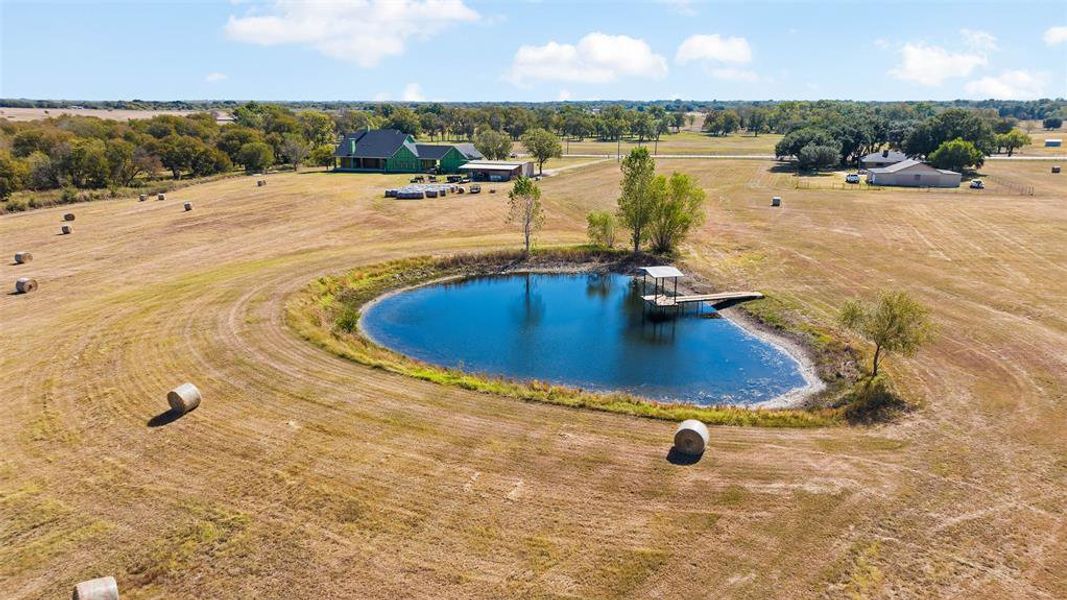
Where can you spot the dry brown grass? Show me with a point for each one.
(36, 114)
(305, 475)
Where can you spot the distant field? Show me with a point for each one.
(34, 114)
(685, 142)
(306, 475)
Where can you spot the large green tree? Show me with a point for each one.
(542, 145)
(637, 197)
(956, 155)
(255, 156)
(678, 208)
(1012, 140)
(493, 144)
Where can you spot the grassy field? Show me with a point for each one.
(684, 142)
(35, 114)
(306, 475)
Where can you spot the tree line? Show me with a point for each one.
(956, 138)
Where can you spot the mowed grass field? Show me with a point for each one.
(303, 475)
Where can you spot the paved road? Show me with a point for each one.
(772, 157)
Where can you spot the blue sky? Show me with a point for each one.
(455, 50)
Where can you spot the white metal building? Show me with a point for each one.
(912, 173)
(497, 170)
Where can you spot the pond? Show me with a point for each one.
(589, 331)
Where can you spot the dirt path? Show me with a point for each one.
(304, 475)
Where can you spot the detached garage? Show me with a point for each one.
(497, 170)
(912, 173)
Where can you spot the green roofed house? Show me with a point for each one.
(393, 151)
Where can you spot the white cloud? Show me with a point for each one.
(564, 95)
(360, 31)
(1055, 35)
(1009, 85)
(931, 65)
(979, 41)
(381, 96)
(413, 93)
(731, 74)
(213, 77)
(714, 48)
(596, 58)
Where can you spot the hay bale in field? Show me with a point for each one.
(161, 196)
(776, 201)
(68, 217)
(691, 437)
(261, 182)
(431, 193)
(25, 285)
(142, 197)
(65, 230)
(188, 206)
(184, 398)
(22, 258)
(104, 588)
(1055, 168)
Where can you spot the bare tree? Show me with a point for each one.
(524, 203)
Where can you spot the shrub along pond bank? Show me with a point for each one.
(327, 313)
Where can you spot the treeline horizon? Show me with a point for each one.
(1019, 109)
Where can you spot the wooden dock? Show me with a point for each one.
(720, 300)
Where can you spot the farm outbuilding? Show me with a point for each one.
(913, 173)
(393, 151)
(497, 170)
(880, 160)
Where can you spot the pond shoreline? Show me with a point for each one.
(795, 398)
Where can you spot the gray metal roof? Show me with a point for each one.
(885, 156)
(900, 166)
(432, 151)
(662, 272)
(909, 164)
(469, 151)
(493, 165)
(375, 143)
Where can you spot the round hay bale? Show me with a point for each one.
(25, 285)
(188, 206)
(1055, 168)
(161, 196)
(691, 437)
(142, 197)
(104, 588)
(184, 398)
(22, 258)
(261, 183)
(776, 201)
(65, 230)
(68, 217)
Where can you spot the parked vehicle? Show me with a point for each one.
(976, 184)
(852, 178)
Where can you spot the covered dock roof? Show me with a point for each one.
(662, 272)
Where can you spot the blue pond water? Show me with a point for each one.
(587, 331)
